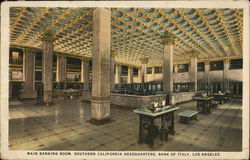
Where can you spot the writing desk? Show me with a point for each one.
(204, 103)
(219, 97)
(147, 128)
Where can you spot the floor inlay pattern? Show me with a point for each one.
(65, 126)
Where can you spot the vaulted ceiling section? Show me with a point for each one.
(136, 32)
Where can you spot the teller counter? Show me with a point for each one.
(184, 96)
(134, 101)
(137, 101)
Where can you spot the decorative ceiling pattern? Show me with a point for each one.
(136, 33)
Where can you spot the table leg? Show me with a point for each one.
(203, 107)
(187, 119)
(195, 117)
(200, 106)
(172, 131)
(184, 120)
(210, 107)
(147, 123)
(140, 131)
(197, 102)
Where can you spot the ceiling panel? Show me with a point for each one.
(136, 32)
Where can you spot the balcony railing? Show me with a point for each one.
(202, 87)
(184, 87)
(149, 88)
(67, 85)
(16, 61)
(38, 63)
(73, 67)
(64, 85)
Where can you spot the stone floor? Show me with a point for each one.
(65, 126)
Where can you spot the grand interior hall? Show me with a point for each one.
(125, 79)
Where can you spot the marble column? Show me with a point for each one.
(10, 89)
(118, 75)
(189, 67)
(61, 68)
(85, 73)
(153, 73)
(29, 74)
(112, 72)
(139, 75)
(86, 94)
(206, 76)
(175, 73)
(226, 75)
(144, 62)
(193, 69)
(206, 72)
(176, 68)
(168, 41)
(47, 46)
(100, 100)
(130, 74)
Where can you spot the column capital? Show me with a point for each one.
(48, 36)
(206, 62)
(226, 61)
(29, 50)
(168, 38)
(193, 53)
(61, 56)
(144, 60)
(85, 59)
(113, 54)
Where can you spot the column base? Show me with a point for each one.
(47, 99)
(86, 95)
(100, 111)
(170, 99)
(46, 104)
(40, 102)
(28, 95)
(100, 122)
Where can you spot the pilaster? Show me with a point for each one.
(144, 62)
(193, 68)
(226, 75)
(61, 67)
(29, 75)
(112, 71)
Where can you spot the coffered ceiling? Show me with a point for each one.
(136, 32)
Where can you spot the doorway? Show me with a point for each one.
(236, 89)
(216, 87)
(16, 88)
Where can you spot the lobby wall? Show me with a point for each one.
(215, 76)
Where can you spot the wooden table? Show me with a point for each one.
(219, 97)
(187, 115)
(228, 96)
(146, 124)
(204, 103)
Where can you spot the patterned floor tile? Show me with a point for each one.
(65, 126)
